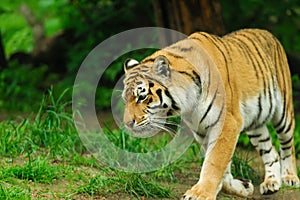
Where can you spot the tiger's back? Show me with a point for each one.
(256, 74)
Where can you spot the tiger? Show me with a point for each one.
(257, 90)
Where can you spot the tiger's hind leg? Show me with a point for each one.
(285, 134)
(261, 140)
(239, 187)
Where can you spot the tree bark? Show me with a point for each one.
(3, 61)
(188, 16)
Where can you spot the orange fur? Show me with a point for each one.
(253, 67)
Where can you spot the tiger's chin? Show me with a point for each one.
(143, 132)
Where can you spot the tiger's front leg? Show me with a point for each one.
(216, 161)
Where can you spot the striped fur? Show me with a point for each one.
(253, 68)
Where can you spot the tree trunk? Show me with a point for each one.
(188, 16)
(3, 61)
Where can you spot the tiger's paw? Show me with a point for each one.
(270, 185)
(195, 194)
(239, 187)
(290, 180)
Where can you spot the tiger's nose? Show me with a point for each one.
(130, 124)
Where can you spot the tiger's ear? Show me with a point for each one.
(161, 66)
(130, 63)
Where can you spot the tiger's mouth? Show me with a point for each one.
(143, 131)
(153, 126)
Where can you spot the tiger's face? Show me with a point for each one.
(148, 102)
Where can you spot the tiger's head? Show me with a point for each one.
(148, 102)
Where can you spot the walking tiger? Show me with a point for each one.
(254, 71)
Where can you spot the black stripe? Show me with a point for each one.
(183, 49)
(158, 92)
(264, 140)
(151, 84)
(254, 123)
(195, 38)
(282, 116)
(154, 107)
(226, 46)
(267, 51)
(289, 126)
(270, 102)
(154, 80)
(218, 118)
(198, 81)
(209, 78)
(148, 111)
(168, 94)
(262, 151)
(174, 104)
(196, 78)
(213, 40)
(254, 136)
(209, 106)
(270, 114)
(271, 163)
(202, 135)
(266, 66)
(259, 107)
(239, 46)
(287, 141)
(284, 89)
(281, 130)
(261, 58)
(285, 157)
(246, 50)
(286, 148)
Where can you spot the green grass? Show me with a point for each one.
(42, 157)
(133, 184)
(8, 191)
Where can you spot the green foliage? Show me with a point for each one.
(133, 184)
(37, 170)
(296, 91)
(15, 32)
(17, 35)
(241, 167)
(19, 87)
(8, 192)
(52, 129)
(281, 18)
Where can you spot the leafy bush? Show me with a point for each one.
(20, 86)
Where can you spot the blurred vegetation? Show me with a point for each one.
(80, 25)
